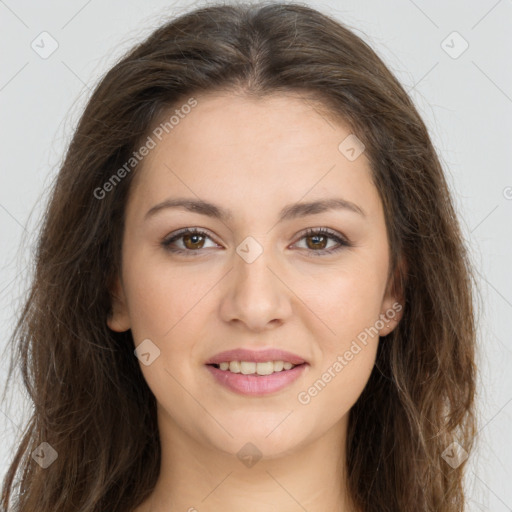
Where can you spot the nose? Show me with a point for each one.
(256, 294)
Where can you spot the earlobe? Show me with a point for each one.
(393, 303)
(390, 319)
(118, 318)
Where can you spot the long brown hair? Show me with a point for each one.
(91, 403)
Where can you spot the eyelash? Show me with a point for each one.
(166, 243)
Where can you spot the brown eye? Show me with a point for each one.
(188, 241)
(193, 241)
(317, 241)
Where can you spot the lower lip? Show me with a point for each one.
(257, 385)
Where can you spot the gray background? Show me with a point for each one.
(465, 97)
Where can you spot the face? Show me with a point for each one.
(265, 273)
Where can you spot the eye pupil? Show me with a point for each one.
(316, 237)
(186, 238)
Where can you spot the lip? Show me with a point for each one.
(256, 385)
(253, 356)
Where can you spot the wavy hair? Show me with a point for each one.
(90, 400)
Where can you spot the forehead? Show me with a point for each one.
(233, 126)
(253, 151)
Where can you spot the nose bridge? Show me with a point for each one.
(252, 274)
(255, 295)
(252, 264)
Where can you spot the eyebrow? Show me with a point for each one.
(290, 211)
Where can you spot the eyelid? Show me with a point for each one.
(324, 231)
(175, 235)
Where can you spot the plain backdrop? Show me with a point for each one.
(454, 58)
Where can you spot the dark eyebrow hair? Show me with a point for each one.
(290, 211)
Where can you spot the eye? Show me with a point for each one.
(192, 239)
(317, 240)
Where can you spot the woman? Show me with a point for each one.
(251, 290)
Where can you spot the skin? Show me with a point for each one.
(253, 157)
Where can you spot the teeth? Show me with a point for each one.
(251, 368)
(247, 368)
(278, 366)
(234, 366)
(265, 368)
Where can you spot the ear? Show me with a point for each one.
(393, 302)
(118, 318)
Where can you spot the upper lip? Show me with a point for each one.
(260, 356)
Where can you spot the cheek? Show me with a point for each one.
(348, 301)
(344, 302)
(162, 297)
(331, 392)
(347, 342)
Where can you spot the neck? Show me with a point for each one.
(196, 477)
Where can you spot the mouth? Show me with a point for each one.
(256, 372)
